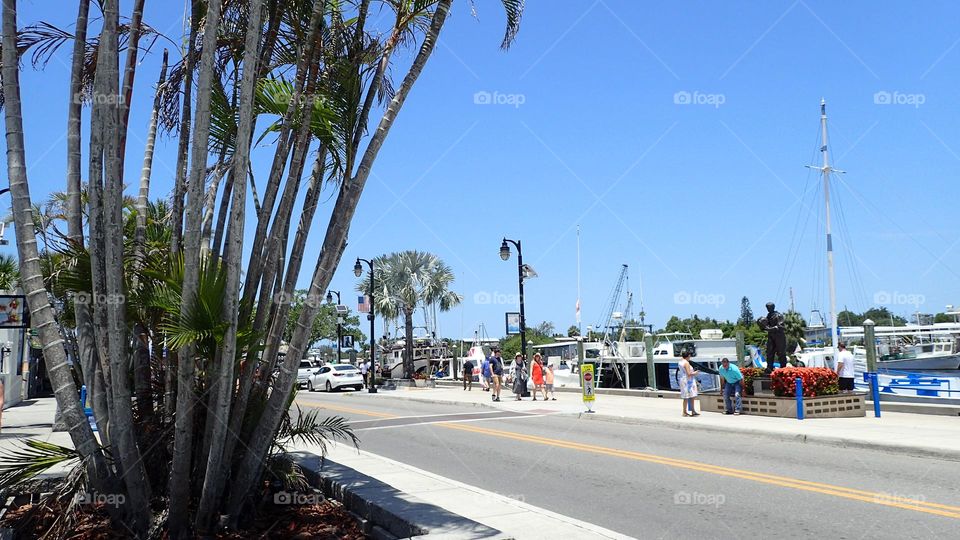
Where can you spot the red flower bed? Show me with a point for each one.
(816, 381)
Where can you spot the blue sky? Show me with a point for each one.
(707, 201)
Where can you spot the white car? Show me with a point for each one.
(304, 371)
(334, 377)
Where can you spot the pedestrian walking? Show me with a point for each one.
(731, 382)
(468, 375)
(486, 373)
(364, 369)
(519, 376)
(688, 384)
(536, 373)
(496, 368)
(845, 368)
(548, 382)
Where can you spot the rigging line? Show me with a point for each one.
(856, 276)
(794, 249)
(803, 231)
(873, 208)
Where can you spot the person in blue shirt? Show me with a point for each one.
(486, 373)
(731, 380)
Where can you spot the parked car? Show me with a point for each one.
(304, 371)
(334, 377)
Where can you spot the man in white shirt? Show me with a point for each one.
(845, 368)
(364, 368)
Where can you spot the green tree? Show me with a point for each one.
(546, 328)
(324, 324)
(511, 345)
(9, 272)
(573, 331)
(794, 327)
(746, 313)
(405, 281)
(944, 318)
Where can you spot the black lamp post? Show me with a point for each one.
(339, 318)
(358, 271)
(505, 255)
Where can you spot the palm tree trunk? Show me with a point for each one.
(141, 372)
(218, 462)
(183, 147)
(129, 72)
(186, 398)
(86, 344)
(251, 468)
(31, 278)
(118, 338)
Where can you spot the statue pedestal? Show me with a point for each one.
(762, 386)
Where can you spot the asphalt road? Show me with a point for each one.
(651, 482)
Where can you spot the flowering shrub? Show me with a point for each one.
(749, 374)
(816, 382)
(421, 376)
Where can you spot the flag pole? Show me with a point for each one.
(579, 325)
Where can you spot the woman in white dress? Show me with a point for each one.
(688, 384)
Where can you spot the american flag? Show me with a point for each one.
(363, 304)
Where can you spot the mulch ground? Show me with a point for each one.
(326, 520)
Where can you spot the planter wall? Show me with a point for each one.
(836, 406)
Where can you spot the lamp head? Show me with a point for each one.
(504, 250)
(357, 269)
(329, 297)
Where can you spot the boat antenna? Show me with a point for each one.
(825, 170)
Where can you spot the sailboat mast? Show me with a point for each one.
(579, 324)
(834, 329)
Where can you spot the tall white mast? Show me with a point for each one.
(579, 325)
(825, 170)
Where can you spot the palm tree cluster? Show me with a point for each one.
(404, 281)
(176, 324)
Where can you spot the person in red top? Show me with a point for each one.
(536, 372)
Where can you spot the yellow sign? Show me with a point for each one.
(587, 381)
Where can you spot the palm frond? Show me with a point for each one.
(19, 465)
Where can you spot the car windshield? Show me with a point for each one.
(305, 365)
(344, 368)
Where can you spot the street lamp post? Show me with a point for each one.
(505, 255)
(339, 319)
(357, 271)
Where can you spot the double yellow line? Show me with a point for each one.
(783, 481)
(882, 499)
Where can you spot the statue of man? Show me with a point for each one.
(773, 325)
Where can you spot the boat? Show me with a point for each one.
(933, 347)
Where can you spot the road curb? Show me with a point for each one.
(385, 512)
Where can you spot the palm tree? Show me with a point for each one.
(9, 272)
(405, 281)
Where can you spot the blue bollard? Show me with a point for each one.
(875, 393)
(799, 391)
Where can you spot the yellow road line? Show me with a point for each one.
(826, 489)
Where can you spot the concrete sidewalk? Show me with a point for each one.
(913, 434)
(33, 419)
